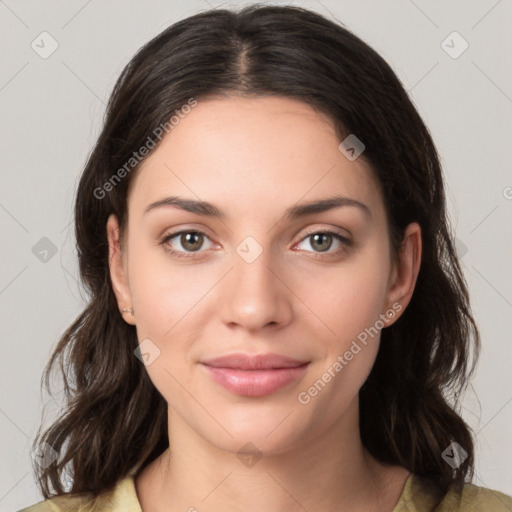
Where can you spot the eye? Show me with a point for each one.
(321, 241)
(191, 241)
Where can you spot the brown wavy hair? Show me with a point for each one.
(114, 418)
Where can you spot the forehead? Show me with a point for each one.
(243, 153)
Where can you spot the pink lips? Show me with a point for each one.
(254, 375)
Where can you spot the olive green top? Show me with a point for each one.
(418, 495)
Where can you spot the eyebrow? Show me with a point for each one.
(301, 210)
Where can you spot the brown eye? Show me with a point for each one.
(191, 241)
(184, 243)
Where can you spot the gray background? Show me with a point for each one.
(51, 115)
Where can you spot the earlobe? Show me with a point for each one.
(406, 270)
(118, 274)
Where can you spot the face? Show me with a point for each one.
(316, 286)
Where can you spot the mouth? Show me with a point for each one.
(242, 361)
(255, 376)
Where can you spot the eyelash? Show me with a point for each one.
(180, 254)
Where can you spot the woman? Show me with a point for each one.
(278, 320)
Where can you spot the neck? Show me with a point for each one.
(331, 471)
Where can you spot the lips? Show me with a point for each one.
(254, 376)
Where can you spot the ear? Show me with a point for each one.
(118, 270)
(405, 271)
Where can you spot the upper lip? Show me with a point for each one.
(254, 362)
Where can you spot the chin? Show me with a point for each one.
(252, 444)
(273, 432)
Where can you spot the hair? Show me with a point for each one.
(114, 418)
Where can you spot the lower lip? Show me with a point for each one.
(255, 382)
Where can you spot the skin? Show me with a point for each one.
(253, 158)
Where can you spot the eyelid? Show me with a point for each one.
(333, 230)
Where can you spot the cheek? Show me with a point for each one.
(350, 346)
(349, 296)
(164, 293)
(167, 303)
(349, 302)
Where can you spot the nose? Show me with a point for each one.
(255, 294)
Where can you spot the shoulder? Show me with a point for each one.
(475, 499)
(422, 495)
(122, 498)
(61, 504)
